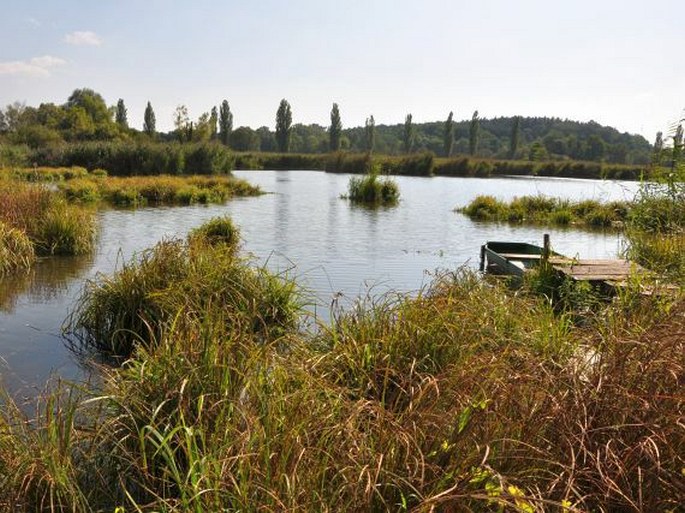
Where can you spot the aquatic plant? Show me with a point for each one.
(549, 210)
(52, 226)
(372, 190)
(220, 231)
(149, 293)
(16, 250)
(157, 190)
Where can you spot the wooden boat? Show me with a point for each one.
(511, 258)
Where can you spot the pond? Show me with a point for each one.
(334, 249)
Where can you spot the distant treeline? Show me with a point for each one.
(86, 117)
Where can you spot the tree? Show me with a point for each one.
(245, 139)
(515, 137)
(369, 134)
(409, 134)
(225, 122)
(181, 123)
(213, 119)
(677, 146)
(596, 148)
(149, 121)
(658, 148)
(121, 115)
(92, 103)
(335, 130)
(448, 136)
(474, 133)
(284, 121)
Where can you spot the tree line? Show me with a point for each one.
(86, 117)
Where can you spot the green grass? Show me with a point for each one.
(549, 211)
(156, 190)
(373, 190)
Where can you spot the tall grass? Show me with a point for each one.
(373, 190)
(156, 190)
(126, 159)
(16, 250)
(548, 210)
(178, 280)
(52, 226)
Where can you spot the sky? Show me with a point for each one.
(619, 63)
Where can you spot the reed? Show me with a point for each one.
(16, 250)
(52, 226)
(550, 211)
(466, 397)
(157, 190)
(143, 299)
(373, 190)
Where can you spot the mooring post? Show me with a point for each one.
(546, 250)
(482, 258)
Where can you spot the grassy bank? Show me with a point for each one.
(466, 397)
(549, 211)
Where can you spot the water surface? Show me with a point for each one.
(335, 249)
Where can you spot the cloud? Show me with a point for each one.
(33, 21)
(83, 38)
(36, 67)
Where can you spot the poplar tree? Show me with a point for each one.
(284, 121)
(370, 134)
(225, 122)
(335, 131)
(149, 121)
(213, 119)
(515, 137)
(658, 148)
(121, 114)
(474, 134)
(448, 136)
(408, 136)
(677, 146)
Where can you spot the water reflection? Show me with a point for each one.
(45, 282)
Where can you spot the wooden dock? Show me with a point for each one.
(610, 271)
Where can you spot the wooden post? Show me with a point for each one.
(482, 258)
(546, 250)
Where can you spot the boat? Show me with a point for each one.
(512, 258)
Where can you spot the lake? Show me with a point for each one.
(303, 228)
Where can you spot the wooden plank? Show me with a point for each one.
(520, 256)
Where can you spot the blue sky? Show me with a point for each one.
(619, 63)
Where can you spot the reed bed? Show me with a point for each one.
(373, 190)
(144, 298)
(44, 174)
(157, 190)
(550, 211)
(16, 250)
(465, 397)
(52, 226)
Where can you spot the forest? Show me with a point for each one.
(85, 116)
